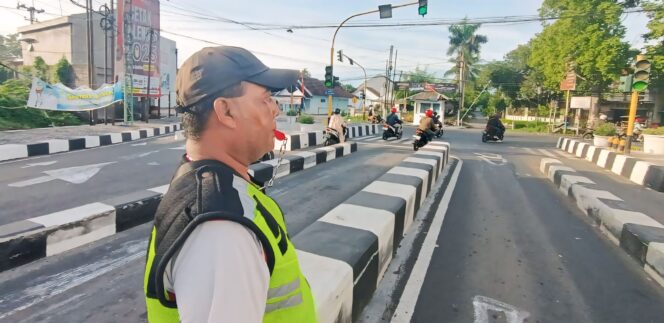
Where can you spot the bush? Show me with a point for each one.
(408, 116)
(605, 129)
(654, 131)
(306, 119)
(291, 113)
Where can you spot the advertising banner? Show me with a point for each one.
(61, 98)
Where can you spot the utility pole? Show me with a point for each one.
(462, 69)
(91, 54)
(147, 93)
(128, 62)
(32, 10)
(394, 74)
(106, 23)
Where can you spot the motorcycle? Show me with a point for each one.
(421, 139)
(331, 136)
(439, 131)
(491, 137)
(392, 131)
(588, 134)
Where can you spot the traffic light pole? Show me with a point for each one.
(634, 102)
(329, 97)
(364, 99)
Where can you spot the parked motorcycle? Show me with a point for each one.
(392, 131)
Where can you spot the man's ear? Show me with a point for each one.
(223, 113)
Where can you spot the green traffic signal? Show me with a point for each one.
(641, 73)
(422, 9)
(329, 78)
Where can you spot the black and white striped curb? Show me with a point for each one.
(637, 171)
(24, 241)
(300, 140)
(345, 253)
(639, 235)
(47, 147)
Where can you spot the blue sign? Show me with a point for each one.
(329, 92)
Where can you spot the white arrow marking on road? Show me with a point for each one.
(141, 144)
(40, 164)
(78, 174)
(74, 175)
(493, 159)
(148, 153)
(483, 305)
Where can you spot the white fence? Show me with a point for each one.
(531, 118)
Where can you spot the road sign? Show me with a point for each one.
(329, 92)
(569, 83)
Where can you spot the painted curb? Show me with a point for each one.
(637, 234)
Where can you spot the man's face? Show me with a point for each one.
(255, 114)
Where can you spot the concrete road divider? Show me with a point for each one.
(347, 251)
(47, 147)
(24, 241)
(639, 235)
(638, 171)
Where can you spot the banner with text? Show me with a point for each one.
(61, 98)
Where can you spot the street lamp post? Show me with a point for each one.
(329, 97)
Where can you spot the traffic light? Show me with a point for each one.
(350, 60)
(626, 83)
(641, 73)
(340, 55)
(329, 79)
(361, 94)
(422, 9)
(336, 81)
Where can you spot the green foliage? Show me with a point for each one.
(291, 113)
(420, 76)
(349, 88)
(659, 131)
(10, 48)
(592, 44)
(465, 45)
(528, 126)
(306, 119)
(64, 72)
(41, 69)
(655, 33)
(306, 73)
(605, 129)
(14, 93)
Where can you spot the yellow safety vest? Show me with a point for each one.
(289, 297)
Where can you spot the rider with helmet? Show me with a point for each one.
(427, 125)
(494, 126)
(337, 123)
(393, 118)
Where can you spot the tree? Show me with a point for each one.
(349, 88)
(465, 44)
(64, 72)
(591, 44)
(41, 68)
(10, 48)
(306, 73)
(420, 76)
(655, 51)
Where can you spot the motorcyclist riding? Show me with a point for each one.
(495, 127)
(393, 118)
(427, 126)
(337, 123)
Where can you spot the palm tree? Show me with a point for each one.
(465, 45)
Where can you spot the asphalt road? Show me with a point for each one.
(513, 249)
(102, 282)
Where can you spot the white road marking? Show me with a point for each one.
(40, 164)
(153, 163)
(43, 288)
(483, 305)
(560, 153)
(177, 148)
(74, 175)
(546, 153)
(493, 159)
(141, 144)
(411, 292)
(530, 151)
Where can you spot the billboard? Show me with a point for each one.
(61, 98)
(167, 65)
(138, 24)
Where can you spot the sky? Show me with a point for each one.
(423, 46)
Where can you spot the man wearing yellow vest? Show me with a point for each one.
(219, 249)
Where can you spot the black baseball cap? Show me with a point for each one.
(214, 69)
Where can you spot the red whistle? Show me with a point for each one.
(279, 135)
